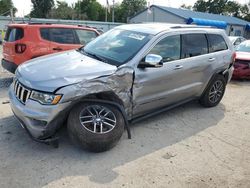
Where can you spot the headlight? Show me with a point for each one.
(45, 98)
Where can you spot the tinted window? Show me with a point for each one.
(85, 36)
(45, 33)
(14, 34)
(216, 43)
(194, 45)
(63, 36)
(169, 48)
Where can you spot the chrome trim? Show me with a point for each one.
(21, 92)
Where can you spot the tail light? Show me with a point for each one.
(20, 48)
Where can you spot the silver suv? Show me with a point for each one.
(126, 74)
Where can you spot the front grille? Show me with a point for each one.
(21, 92)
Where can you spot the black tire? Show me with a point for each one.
(206, 99)
(83, 136)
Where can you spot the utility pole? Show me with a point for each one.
(12, 15)
(113, 11)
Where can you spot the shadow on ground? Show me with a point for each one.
(37, 164)
(5, 82)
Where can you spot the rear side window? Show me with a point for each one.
(216, 43)
(59, 35)
(45, 33)
(194, 45)
(85, 36)
(63, 36)
(14, 34)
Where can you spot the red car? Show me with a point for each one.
(242, 61)
(23, 42)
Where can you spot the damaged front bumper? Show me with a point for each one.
(40, 121)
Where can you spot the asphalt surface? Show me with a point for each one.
(189, 146)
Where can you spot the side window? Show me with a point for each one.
(169, 48)
(216, 43)
(85, 36)
(62, 35)
(45, 33)
(194, 45)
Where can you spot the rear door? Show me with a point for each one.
(12, 36)
(62, 39)
(219, 49)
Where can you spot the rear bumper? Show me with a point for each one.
(9, 66)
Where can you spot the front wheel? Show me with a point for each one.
(95, 127)
(214, 92)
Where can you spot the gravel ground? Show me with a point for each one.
(188, 146)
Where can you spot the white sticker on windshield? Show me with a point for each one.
(136, 36)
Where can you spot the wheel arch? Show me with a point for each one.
(223, 73)
(106, 98)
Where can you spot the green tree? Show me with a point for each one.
(41, 8)
(5, 7)
(232, 8)
(200, 6)
(90, 9)
(131, 7)
(189, 7)
(211, 6)
(223, 7)
(62, 11)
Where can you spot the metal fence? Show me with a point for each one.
(105, 26)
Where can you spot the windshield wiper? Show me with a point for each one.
(93, 55)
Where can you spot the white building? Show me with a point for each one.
(233, 26)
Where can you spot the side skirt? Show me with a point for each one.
(161, 110)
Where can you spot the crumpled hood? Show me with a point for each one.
(50, 72)
(243, 55)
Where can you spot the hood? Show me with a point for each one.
(243, 55)
(50, 72)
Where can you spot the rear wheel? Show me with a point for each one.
(95, 127)
(214, 92)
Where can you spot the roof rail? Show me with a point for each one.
(190, 26)
(38, 23)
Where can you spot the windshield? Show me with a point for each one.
(117, 46)
(243, 47)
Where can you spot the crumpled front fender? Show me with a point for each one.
(120, 83)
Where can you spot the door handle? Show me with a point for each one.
(57, 49)
(211, 59)
(177, 67)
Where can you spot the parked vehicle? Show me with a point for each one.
(128, 73)
(242, 61)
(23, 42)
(236, 40)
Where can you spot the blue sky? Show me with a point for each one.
(24, 6)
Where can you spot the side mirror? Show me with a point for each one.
(151, 60)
